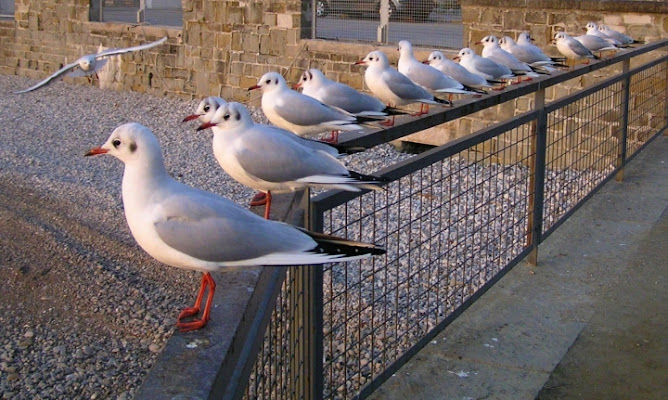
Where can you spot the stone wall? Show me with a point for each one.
(224, 46)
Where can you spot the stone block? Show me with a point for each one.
(288, 21)
(251, 43)
(278, 42)
(270, 19)
(535, 17)
(491, 17)
(513, 19)
(637, 19)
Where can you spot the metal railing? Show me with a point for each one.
(156, 12)
(453, 220)
(435, 23)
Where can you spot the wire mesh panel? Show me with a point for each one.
(422, 22)
(647, 105)
(582, 147)
(279, 367)
(156, 12)
(448, 229)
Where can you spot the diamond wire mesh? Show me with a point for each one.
(448, 228)
(278, 367)
(422, 22)
(648, 105)
(582, 148)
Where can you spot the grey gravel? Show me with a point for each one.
(84, 310)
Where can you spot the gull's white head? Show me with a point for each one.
(507, 42)
(375, 59)
(230, 116)
(206, 109)
(310, 79)
(524, 38)
(465, 53)
(87, 63)
(436, 57)
(405, 49)
(131, 143)
(591, 26)
(269, 82)
(560, 36)
(489, 40)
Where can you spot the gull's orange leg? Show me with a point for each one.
(259, 199)
(332, 138)
(207, 280)
(267, 207)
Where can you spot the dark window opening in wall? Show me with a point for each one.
(435, 23)
(6, 10)
(149, 12)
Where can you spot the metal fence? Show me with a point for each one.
(152, 12)
(453, 220)
(435, 23)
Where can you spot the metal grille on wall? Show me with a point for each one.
(435, 23)
(151, 12)
(453, 220)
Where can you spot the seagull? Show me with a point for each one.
(272, 160)
(206, 109)
(393, 87)
(531, 55)
(301, 114)
(494, 52)
(427, 76)
(593, 30)
(188, 228)
(624, 39)
(484, 67)
(595, 43)
(90, 64)
(439, 61)
(571, 48)
(315, 84)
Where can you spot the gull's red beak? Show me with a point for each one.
(425, 62)
(477, 43)
(96, 151)
(456, 58)
(190, 118)
(253, 87)
(206, 125)
(360, 62)
(297, 85)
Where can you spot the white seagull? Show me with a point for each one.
(531, 55)
(425, 75)
(439, 61)
(491, 50)
(393, 87)
(595, 43)
(593, 30)
(206, 109)
(484, 67)
(301, 114)
(189, 228)
(90, 64)
(624, 39)
(271, 160)
(315, 84)
(571, 48)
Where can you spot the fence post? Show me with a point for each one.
(313, 298)
(537, 177)
(382, 32)
(141, 13)
(621, 152)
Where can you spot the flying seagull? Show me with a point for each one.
(89, 64)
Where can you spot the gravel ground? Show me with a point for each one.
(84, 310)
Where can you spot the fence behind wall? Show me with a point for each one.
(453, 220)
(151, 12)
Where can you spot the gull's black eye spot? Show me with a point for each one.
(237, 116)
(226, 117)
(207, 108)
(276, 82)
(133, 147)
(268, 81)
(116, 143)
